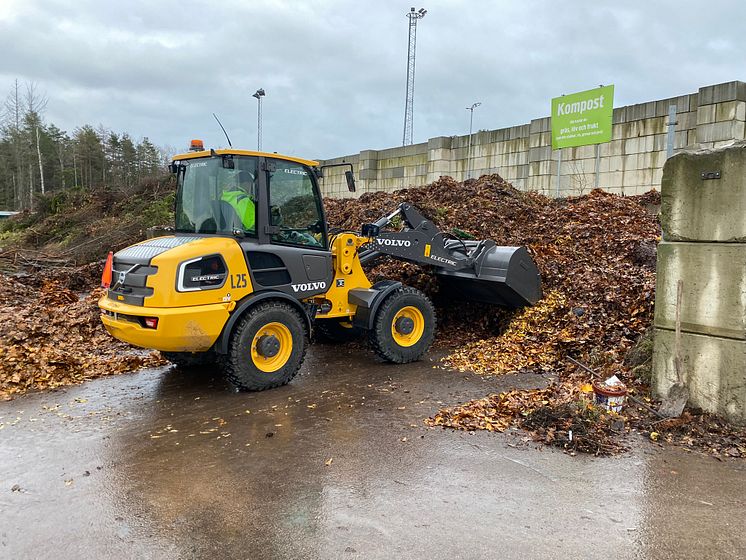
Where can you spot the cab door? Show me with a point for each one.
(293, 254)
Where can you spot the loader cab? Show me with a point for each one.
(270, 204)
(271, 199)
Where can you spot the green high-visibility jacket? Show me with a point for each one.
(243, 205)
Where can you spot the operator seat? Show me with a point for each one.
(226, 216)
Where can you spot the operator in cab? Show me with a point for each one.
(240, 196)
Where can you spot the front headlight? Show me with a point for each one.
(202, 273)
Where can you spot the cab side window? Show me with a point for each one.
(294, 208)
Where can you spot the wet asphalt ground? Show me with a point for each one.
(172, 464)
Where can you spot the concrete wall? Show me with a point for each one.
(704, 246)
(631, 163)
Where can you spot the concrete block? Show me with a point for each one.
(641, 111)
(629, 162)
(706, 114)
(540, 139)
(660, 142)
(539, 154)
(657, 125)
(521, 131)
(686, 121)
(439, 142)
(657, 177)
(694, 209)
(726, 111)
(619, 115)
(540, 125)
(632, 146)
(714, 288)
(716, 132)
(615, 179)
(712, 368)
(682, 103)
(720, 93)
(583, 152)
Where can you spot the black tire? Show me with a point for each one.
(188, 360)
(336, 330)
(240, 367)
(381, 336)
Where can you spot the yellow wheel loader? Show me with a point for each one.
(251, 270)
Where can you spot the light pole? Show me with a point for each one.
(471, 123)
(259, 94)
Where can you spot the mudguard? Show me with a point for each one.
(369, 300)
(221, 346)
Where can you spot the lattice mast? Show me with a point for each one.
(411, 54)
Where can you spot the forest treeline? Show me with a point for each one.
(36, 157)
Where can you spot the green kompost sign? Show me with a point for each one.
(583, 118)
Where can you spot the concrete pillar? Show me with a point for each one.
(704, 247)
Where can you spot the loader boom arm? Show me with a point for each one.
(475, 270)
(421, 242)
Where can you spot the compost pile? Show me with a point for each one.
(593, 253)
(596, 255)
(50, 336)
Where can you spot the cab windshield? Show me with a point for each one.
(215, 197)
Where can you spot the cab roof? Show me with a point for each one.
(231, 151)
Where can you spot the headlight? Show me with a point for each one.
(203, 273)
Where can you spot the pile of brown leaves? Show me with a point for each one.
(50, 336)
(597, 255)
(593, 253)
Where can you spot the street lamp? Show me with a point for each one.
(471, 122)
(259, 94)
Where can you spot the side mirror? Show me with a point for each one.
(350, 178)
(173, 167)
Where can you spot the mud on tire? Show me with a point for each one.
(267, 347)
(404, 326)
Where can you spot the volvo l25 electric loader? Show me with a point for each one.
(251, 269)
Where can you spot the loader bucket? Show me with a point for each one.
(505, 276)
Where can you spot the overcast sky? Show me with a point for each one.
(335, 71)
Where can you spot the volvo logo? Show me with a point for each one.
(309, 286)
(394, 242)
(122, 277)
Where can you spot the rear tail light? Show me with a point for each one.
(106, 275)
(150, 322)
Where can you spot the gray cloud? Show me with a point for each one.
(334, 71)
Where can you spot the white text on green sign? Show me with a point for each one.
(582, 118)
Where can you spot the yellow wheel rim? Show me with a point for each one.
(270, 363)
(413, 337)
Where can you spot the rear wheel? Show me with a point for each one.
(190, 359)
(267, 347)
(336, 330)
(404, 326)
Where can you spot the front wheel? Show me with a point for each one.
(267, 347)
(404, 326)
